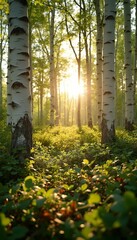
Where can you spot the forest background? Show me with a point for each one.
(74, 43)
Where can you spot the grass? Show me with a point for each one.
(72, 187)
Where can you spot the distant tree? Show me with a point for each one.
(108, 117)
(73, 27)
(86, 30)
(120, 74)
(3, 43)
(129, 92)
(135, 56)
(19, 78)
(52, 65)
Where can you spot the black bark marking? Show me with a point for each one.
(108, 135)
(17, 85)
(13, 104)
(23, 2)
(129, 126)
(24, 54)
(24, 19)
(110, 17)
(26, 73)
(11, 49)
(18, 31)
(12, 66)
(130, 85)
(22, 138)
(107, 93)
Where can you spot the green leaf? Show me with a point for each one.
(4, 221)
(49, 193)
(87, 232)
(130, 199)
(29, 183)
(85, 161)
(84, 187)
(94, 198)
(38, 202)
(93, 218)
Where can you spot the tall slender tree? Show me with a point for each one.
(135, 56)
(52, 66)
(3, 43)
(99, 45)
(19, 78)
(129, 94)
(86, 30)
(108, 117)
(77, 55)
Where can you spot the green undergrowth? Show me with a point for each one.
(72, 187)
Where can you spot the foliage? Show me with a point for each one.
(72, 187)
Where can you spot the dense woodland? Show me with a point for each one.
(68, 116)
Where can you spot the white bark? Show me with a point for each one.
(99, 42)
(108, 117)
(19, 74)
(52, 69)
(135, 58)
(129, 94)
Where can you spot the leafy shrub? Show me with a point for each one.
(72, 188)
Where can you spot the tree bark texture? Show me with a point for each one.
(52, 69)
(19, 78)
(99, 45)
(129, 94)
(108, 116)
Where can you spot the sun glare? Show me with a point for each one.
(71, 87)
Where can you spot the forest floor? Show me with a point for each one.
(72, 187)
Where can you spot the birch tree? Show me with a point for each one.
(19, 78)
(99, 44)
(135, 58)
(86, 30)
(108, 117)
(52, 67)
(129, 91)
(3, 43)
(78, 25)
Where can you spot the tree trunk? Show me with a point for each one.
(99, 43)
(77, 57)
(52, 69)
(87, 46)
(135, 59)
(108, 117)
(3, 42)
(129, 95)
(19, 74)
(1, 57)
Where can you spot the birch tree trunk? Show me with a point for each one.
(1, 58)
(3, 42)
(129, 94)
(99, 43)
(19, 78)
(87, 45)
(52, 69)
(135, 59)
(77, 55)
(108, 117)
